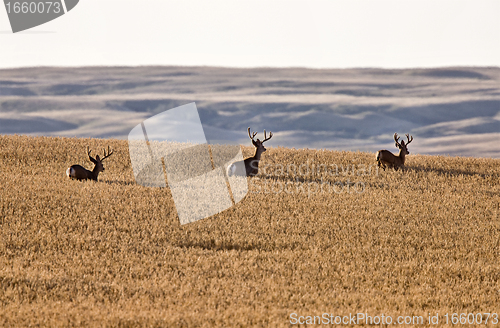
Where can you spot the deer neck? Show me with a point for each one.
(94, 173)
(258, 153)
(402, 156)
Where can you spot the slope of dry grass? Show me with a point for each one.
(113, 253)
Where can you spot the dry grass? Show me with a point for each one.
(113, 253)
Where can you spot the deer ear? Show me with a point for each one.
(254, 143)
(97, 157)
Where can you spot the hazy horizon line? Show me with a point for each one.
(253, 67)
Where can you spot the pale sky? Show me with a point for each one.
(256, 33)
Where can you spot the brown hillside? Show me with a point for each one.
(112, 253)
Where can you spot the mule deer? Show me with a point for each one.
(250, 165)
(80, 173)
(387, 159)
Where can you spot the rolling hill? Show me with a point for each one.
(337, 237)
(450, 111)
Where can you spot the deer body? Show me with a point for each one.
(387, 159)
(252, 163)
(80, 173)
(250, 166)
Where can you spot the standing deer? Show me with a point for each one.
(250, 166)
(80, 173)
(387, 159)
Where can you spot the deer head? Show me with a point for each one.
(259, 145)
(97, 160)
(402, 146)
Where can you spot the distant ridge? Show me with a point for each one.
(452, 110)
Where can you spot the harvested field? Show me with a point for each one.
(319, 232)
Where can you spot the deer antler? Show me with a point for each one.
(253, 134)
(409, 140)
(90, 157)
(270, 136)
(107, 155)
(396, 139)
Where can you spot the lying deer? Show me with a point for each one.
(251, 164)
(80, 173)
(387, 159)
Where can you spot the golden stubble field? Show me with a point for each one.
(113, 253)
